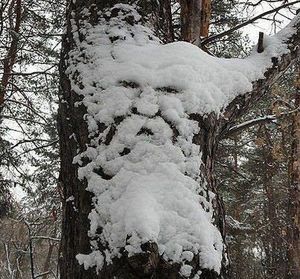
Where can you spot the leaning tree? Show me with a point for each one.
(139, 124)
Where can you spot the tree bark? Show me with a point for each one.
(195, 19)
(190, 20)
(73, 136)
(205, 18)
(294, 207)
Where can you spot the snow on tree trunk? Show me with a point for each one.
(138, 124)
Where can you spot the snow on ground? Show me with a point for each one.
(153, 189)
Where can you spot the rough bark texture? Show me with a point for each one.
(294, 209)
(73, 137)
(205, 18)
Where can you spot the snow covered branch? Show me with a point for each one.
(213, 38)
(245, 125)
(250, 123)
(285, 50)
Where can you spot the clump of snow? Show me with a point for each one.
(186, 270)
(152, 189)
(197, 276)
(70, 199)
(93, 259)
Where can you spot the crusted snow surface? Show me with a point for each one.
(146, 182)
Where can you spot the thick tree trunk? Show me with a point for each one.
(75, 220)
(73, 134)
(294, 209)
(76, 206)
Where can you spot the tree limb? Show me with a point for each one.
(243, 24)
(250, 123)
(46, 238)
(260, 87)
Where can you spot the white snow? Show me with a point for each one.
(156, 191)
(186, 270)
(70, 199)
(93, 259)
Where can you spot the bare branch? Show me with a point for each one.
(46, 238)
(38, 147)
(42, 274)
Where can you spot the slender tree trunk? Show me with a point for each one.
(205, 18)
(15, 10)
(195, 19)
(190, 20)
(47, 263)
(162, 20)
(274, 244)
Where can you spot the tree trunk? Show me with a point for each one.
(73, 134)
(205, 18)
(162, 20)
(195, 19)
(294, 209)
(274, 244)
(190, 20)
(15, 9)
(47, 262)
(73, 137)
